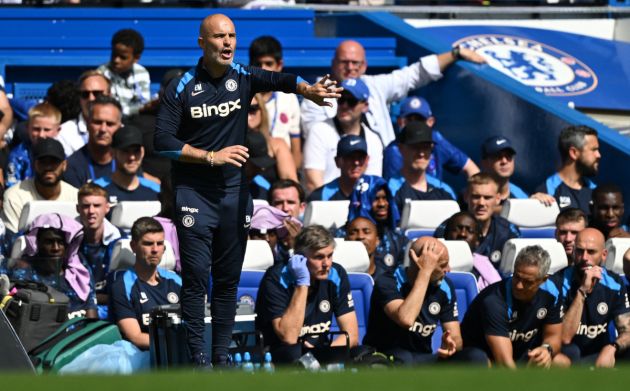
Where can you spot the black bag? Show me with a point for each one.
(36, 311)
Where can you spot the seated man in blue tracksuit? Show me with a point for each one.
(296, 300)
(408, 304)
(135, 292)
(413, 182)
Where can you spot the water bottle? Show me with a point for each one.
(335, 367)
(309, 362)
(238, 360)
(248, 366)
(267, 365)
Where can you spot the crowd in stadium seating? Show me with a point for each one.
(100, 155)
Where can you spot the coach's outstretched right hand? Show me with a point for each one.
(235, 155)
(297, 266)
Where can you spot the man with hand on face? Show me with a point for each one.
(407, 305)
(517, 319)
(296, 300)
(592, 297)
(568, 224)
(202, 126)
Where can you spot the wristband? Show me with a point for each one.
(548, 347)
(584, 294)
(616, 346)
(211, 153)
(456, 53)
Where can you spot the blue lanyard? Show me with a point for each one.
(508, 296)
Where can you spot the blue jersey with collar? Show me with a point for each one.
(403, 192)
(517, 192)
(82, 169)
(146, 191)
(607, 300)
(567, 197)
(445, 156)
(130, 297)
(440, 305)
(329, 192)
(76, 306)
(19, 164)
(325, 298)
(211, 114)
(495, 312)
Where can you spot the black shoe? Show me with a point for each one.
(201, 361)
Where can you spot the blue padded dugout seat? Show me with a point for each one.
(361, 285)
(466, 290)
(248, 287)
(534, 219)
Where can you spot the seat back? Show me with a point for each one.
(248, 286)
(34, 208)
(326, 213)
(530, 213)
(616, 247)
(125, 213)
(459, 254)
(426, 214)
(361, 286)
(258, 255)
(19, 245)
(352, 255)
(513, 246)
(123, 257)
(466, 290)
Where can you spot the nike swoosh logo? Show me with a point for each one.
(196, 93)
(499, 142)
(142, 301)
(354, 142)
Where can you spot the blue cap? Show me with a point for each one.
(357, 88)
(494, 145)
(415, 105)
(351, 143)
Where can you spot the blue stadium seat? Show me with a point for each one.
(361, 285)
(538, 233)
(415, 233)
(248, 287)
(466, 290)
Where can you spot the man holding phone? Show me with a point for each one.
(591, 297)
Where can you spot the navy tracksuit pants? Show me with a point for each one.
(212, 227)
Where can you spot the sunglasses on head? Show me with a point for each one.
(253, 109)
(85, 94)
(349, 100)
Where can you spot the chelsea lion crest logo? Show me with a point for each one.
(546, 69)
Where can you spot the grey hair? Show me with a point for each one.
(573, 136)
(313, 238)
(534, 256)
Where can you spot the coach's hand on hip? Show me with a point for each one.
(323, 89)
(235, 155)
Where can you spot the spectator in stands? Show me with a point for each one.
(352, 160)
(607, 211)
(372, 199)
(568, 224)
(350, 62)
(259, 166)
(406, 307)
(517, 319)
(96, 158)
(131, 81)
(498, 159)
(592, 297)
(64, 95)
(413, 183)
(319, 147)
(135, 292)
(464, 226)
(276, 147)
(580, 155)
(364, 230)
(125, 184)
(99, 238)
(300, 297)
(288, 196)
(445, 155)
(51, 257)
(49, 165)
(74, 132)
(44, 121)
(6, 118)
(482, 196)
(270, 224)
(283, 109)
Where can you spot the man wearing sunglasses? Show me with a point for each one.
(74, 133)
(320, 148)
